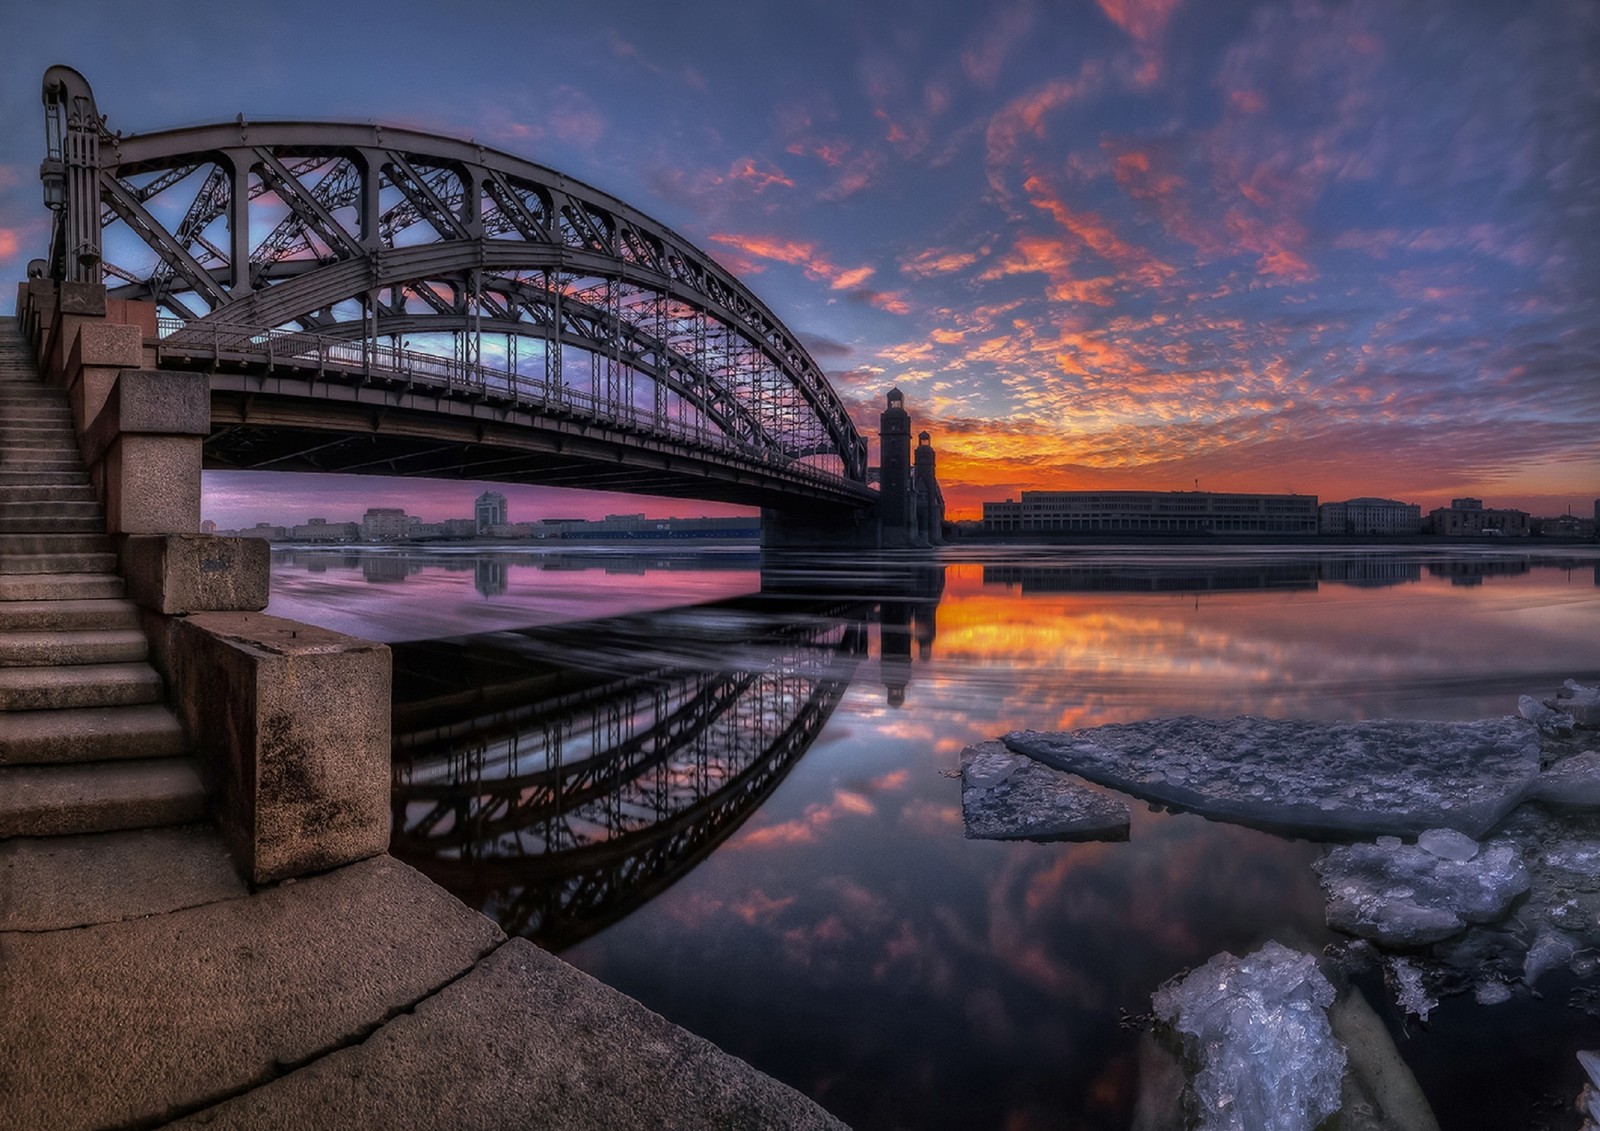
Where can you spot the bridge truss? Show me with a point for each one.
(411, 254)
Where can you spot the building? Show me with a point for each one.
(490, 510)
(1368, 518)
(385, 524)
(1151, 512)
(321, 530)
(1468, 518)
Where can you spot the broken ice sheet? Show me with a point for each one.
(1256, 1029)
(1409, 895)
(1009, 796)
(1380, 776)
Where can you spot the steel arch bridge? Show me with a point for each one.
(349, 284)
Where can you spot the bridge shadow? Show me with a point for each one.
(560, 777)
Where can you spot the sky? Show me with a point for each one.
(1336, 248)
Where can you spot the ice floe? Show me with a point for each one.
(1372, 777)
(1256, 1030)
(1009, 796)
(1407, 895)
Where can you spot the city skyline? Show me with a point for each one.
(1339, 249)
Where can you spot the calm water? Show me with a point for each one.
(728, 791)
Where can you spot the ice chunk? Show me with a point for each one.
(1007, 796)
(1550, 950)
(1491, 991)
(1580, 702)
(1545, 718)
(1447, 844)
(1411, 989)
(1407, 895)
(1572, 781)
(1384, 776)
(1256, 1029)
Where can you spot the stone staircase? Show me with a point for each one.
(87, 744)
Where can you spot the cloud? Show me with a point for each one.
(802, 254)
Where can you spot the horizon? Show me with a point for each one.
(1341, 249)
(575, 504)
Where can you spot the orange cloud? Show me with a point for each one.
(800, 253)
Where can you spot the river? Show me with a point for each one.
(730, 790)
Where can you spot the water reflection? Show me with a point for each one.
(559, 797)
(831, 925)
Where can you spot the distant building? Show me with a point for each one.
(266, 530)
(384, 524)
(209, 526)
(321, 530)
(1151, 512)
(1563, 526)
(1369, 518)
(490, 510)
(1465, 518)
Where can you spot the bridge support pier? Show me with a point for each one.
(820, 528)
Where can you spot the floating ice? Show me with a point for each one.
(1006, 796)
(1545, 718)
(1571, 781)
(1551, 949)
(1580, 702)
(1371, 777)
(1256, 1029)
(1447, 844)
(1409, 895)
(1411, 989)
(1491, 991)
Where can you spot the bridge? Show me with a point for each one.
(377, 300)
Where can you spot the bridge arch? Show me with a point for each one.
(396, 238)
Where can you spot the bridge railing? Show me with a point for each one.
(303, 350)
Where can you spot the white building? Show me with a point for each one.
(489, 511)
(1370, 518)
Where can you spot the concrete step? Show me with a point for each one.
(72, 648)
(10, 478)
(46, 494)
(99, 797)
(52, 524)
(53, 535)
(85, 685)
(57, 563)
(42, 409)
(12, 507)
(47, 586)
(57, 542)
(67, 615)
(61, 882)
(29, 461)
(90, 734)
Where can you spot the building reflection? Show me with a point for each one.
(490, 576)
(560, 778)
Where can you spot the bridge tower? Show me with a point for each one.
(896, 505)
(928, 498)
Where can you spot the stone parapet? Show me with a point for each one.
(292, 728)
(144, 450)
(100, 351)
(196, 573)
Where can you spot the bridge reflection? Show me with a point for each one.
(560, 778)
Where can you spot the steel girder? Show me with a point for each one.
(324, 225)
